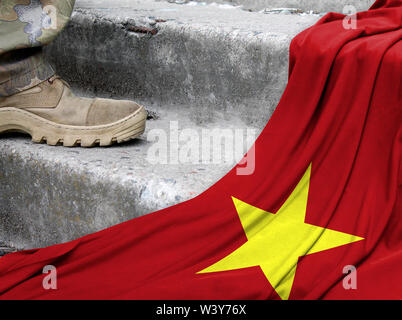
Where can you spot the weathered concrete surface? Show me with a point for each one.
(50, 195)
(208, 58)
(305, 5)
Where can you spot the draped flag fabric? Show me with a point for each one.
(326, 194)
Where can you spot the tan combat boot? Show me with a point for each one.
(51, 112)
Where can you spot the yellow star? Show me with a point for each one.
(276, 241)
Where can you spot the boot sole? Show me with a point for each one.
(42, 130)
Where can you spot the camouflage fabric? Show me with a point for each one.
(25, 27)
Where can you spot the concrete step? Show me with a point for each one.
(303, 5)
(209, 58)
(50, 195)
(196, 68)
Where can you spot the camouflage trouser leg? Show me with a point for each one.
(26, 26)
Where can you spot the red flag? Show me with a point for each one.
(325, 196)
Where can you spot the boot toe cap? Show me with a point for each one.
(105, 111)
